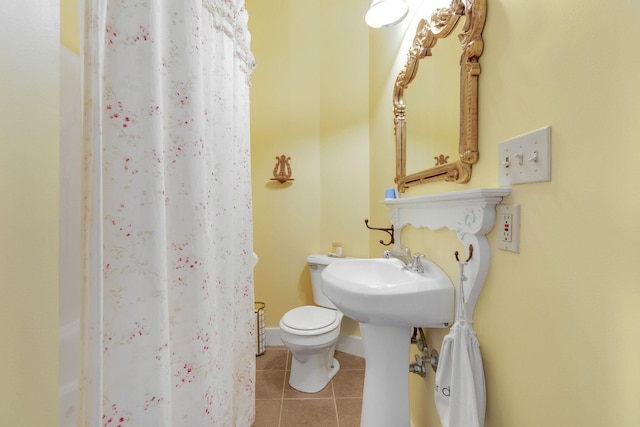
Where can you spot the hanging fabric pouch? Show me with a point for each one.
(460, 393)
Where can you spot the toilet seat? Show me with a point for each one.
(310, 320)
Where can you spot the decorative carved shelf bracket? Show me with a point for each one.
(470, 213)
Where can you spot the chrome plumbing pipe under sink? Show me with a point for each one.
(431, 357)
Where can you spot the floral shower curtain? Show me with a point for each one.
(168, 288)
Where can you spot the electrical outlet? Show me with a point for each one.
(506, 224)
(509, 227)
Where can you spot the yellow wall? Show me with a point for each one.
(70, 24)
(29, 216)
(309, 101)
(557, 323)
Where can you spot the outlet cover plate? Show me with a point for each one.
(525, 159)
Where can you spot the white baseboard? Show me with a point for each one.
(272, 336)
(350, 345)
(346, 344)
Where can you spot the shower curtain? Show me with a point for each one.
(169, 330)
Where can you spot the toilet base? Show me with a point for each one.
(314, 371)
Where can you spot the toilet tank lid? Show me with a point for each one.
(323, 259)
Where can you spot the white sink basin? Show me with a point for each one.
(388, 300)
(382, 291)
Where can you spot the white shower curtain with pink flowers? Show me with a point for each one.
(168, 289)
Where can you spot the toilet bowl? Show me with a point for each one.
(311, 332)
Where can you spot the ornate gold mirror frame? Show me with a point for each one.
(442, 23)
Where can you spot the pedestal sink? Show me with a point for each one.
(388, 300)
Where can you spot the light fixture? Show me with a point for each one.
(384, 13)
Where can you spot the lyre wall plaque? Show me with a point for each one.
(282, 169)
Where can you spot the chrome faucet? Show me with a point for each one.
(411, 263)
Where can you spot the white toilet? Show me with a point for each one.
(311, 332)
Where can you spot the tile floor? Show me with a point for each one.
(278, 405)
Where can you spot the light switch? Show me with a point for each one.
(525, 159)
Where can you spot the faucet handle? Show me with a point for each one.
(416, 265)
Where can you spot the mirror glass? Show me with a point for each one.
(436, 97)
(433, 108)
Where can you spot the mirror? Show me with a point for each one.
(433, 109)
(436, 120)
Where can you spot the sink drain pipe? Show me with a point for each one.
(420, 365)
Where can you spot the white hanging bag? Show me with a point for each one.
(460, 393)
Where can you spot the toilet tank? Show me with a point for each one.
(317, 263)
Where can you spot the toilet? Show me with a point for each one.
(311, 332)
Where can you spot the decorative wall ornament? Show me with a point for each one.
(282, 170)
(441, 160)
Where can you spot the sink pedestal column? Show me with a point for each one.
(386, 379)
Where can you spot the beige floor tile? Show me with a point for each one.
(273, 359)
(292, 393)
(267, 413)
(269, 384)
(348, 383)
(349, 361)
(308, 413)
(349, 410)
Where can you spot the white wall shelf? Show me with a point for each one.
(470, 213)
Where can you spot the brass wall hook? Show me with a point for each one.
(470, 254)
(389, 231)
